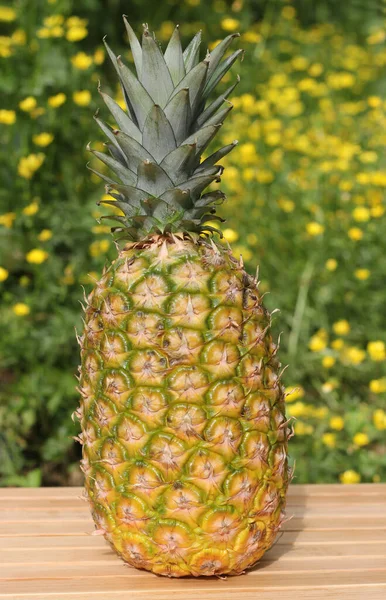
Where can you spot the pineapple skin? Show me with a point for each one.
(182, 411)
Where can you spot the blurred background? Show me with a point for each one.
(306, 201)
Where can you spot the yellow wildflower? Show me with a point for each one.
(29, 164)
(316, 69)
(368, 157)
(43, 139)
(374, 101)
(341, 327)
(229, 24)
(337, 344)
(329, 440)
(362, 274)
(252, 239)
(3, 274)
(361, 214)
(36, 256)
(328, 362)
(31, 209)
(82, 98)
(361, 439)
(81, 61)
(355, 234)
(379, 419)
(355, 355)
(56, 101)
(24, 281)
(288, 12)
(251, 37)
(20, 309)
(53, 20)
(337, 423)
(349, 477)
(43, 33)
(302, 428)
(331, 264)
(45, 235)
(300, 63)
(99, 56)
(19, 37)
(7, 219)
(7, 117)
(329, 386)
(286, 204)
(378, 386)
(77, 33)
(75, 21)
(377, 350)
(314, 228)
(7, 14)
(293, 392)
(230, 235)
(28, 104)
(317, 343)
(377, 211)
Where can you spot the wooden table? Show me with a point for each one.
(334, 547)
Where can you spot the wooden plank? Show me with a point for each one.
(368, 591)
(154, 585)
(105, 569)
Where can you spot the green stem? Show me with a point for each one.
(300, 307)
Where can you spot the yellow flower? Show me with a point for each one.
(251, 37)
(45, 235)
(377, 211)
(317, 343)
(331, 264)
(76, 33)
(101, 229)
(230, 235)
(301, 428)
(314, 228)
(341, 327)
(82, 98)
(247, 153)
(288, 12)
(337, 344)
(361, 214)
(19, 37)
(293, 392)
(316, 69)
(29, 164)
(99, 56)
(7, 117)
(378, 386)
(243, 251)
(53, 20)
(361, 439)
(20, 309)
(355, 234)
(379, 419)
(28, 104)
(7, 14)
(31, 209)
(3, 274)
(328, 362)
(36, 256)
(43, 139)
(329, 440)
(81, 61)
(362, 274)
(252, 239)
(300, 63)
(329, 386)
(56, 101)
(374, 101)
(368, 157)
(75, 21)
(286, 204)
(7, 219)
(355, 355)
(337, 423)
(349, 476)
(43, 33)
(229, 24)
(377, 350)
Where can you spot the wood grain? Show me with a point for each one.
(333, 547)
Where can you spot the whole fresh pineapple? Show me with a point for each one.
(182, 413)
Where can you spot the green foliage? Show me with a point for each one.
(306, 189)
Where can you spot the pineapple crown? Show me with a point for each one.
(155, 153)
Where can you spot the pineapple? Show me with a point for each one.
(184, 433)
